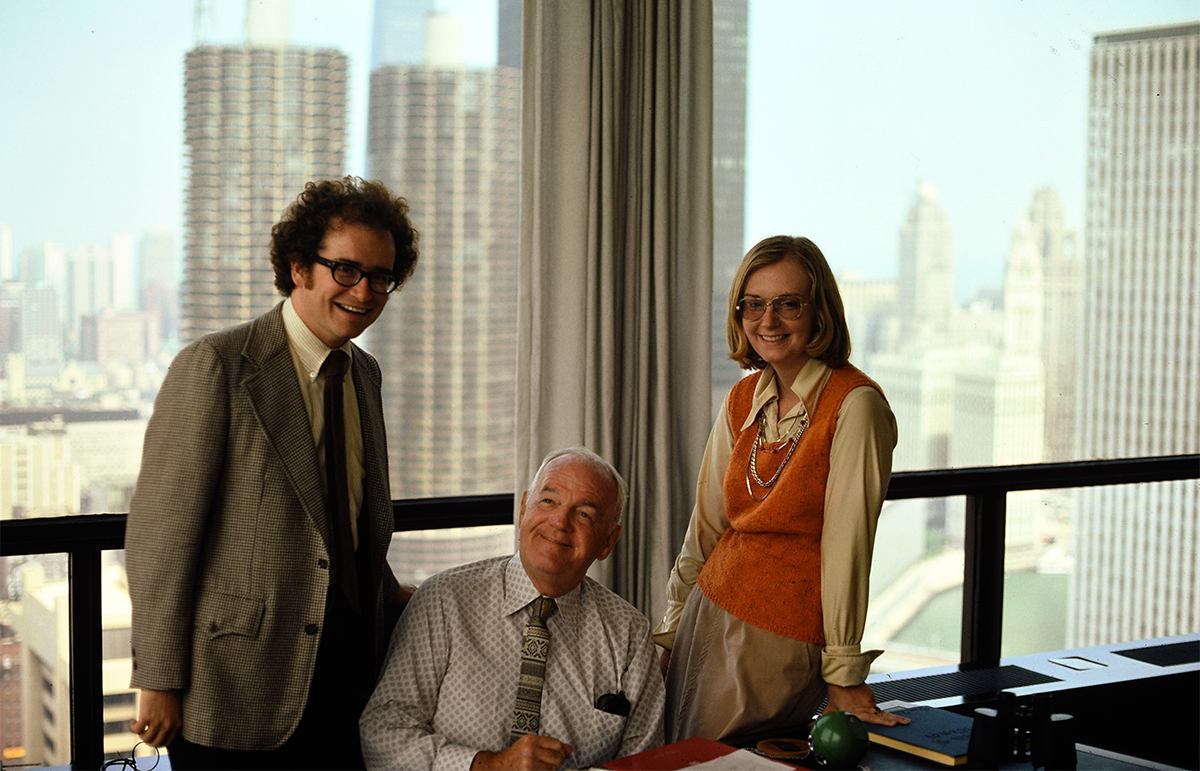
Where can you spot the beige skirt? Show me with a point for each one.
(728, 678)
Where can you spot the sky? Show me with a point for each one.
(851, 106)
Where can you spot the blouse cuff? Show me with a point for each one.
(846, 665)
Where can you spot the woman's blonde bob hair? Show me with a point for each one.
(831, 337)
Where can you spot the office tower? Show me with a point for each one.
(260, 121)
(1062, 286)
(124, 273)
(926, 268)
(447, 138)
(89, 289)
(730, 35)
(158, 280)
(38, 478)
(398, 32)
(1136, 562)
(41, 332)
(870, 305)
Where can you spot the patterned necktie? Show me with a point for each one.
(337, 505)
(535, 646)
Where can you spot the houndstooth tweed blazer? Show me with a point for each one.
(227, 544)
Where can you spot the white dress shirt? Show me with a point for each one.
(449, 682)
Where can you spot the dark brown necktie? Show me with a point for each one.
(337, 501)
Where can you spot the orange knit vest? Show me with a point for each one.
(766, 569)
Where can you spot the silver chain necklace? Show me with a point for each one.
(752, 466)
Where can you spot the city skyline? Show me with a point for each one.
(103, 144)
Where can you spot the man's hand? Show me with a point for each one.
(543, 753)
(860, 700)
(160, 716)
(405, 594)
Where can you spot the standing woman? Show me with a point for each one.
(787, 501)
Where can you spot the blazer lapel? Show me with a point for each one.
(377, 498)
(274, 393)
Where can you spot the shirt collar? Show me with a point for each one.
(308, 347)
(767, 389)
(519, 591)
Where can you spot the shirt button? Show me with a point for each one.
(323, 564)
(310, 629)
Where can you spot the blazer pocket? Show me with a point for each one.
(232, 614)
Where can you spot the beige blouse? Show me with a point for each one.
(860, 466)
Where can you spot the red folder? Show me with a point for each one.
(675, 756)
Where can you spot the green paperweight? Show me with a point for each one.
(840, 739)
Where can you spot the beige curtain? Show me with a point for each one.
(616, 259)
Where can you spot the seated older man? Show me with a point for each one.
(524, 661)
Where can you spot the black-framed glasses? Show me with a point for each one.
(346, 274)
(785, 306)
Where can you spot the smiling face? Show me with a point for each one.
(337, 313)
(567, 522)
(780, 342)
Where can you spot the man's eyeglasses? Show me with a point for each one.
(349, 275)
(785, 306)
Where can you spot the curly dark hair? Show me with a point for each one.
(298, 235)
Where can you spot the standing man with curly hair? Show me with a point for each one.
(257, 536)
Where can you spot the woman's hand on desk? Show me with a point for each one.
(531, 752)
(860, 701)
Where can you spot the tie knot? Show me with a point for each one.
(335, 364)
(543, 608)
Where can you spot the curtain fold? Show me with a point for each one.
(616, 259)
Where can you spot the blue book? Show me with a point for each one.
(934, 734)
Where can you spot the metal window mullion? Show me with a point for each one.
(983, 578)
(87, 675)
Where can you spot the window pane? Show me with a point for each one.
(193, 145)
(1007, 197)
(416, 555)
(915, 611)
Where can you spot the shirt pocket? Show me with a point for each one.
(600, 740)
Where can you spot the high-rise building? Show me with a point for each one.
(730, 36)
(1137, 571)
(926, 268)
(260, 121)
(158, 271)
(447, 138)
(89, 289)
(124, 273)
(41, 332)
(1062, 286)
